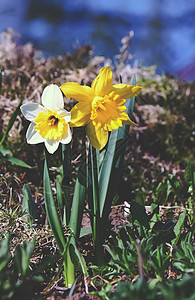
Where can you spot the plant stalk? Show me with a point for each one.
(98, 235)
(69, 270)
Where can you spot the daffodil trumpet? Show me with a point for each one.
(50, 121)
(100, 107)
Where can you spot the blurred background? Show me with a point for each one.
(164, 30)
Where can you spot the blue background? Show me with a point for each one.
(164, 30)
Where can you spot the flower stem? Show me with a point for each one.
(69, 270)
(98, 236)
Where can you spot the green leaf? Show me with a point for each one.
(18, 162)
(28, 205)
(94, 176)
(45, 263)
(189, 172)
(22, 256)
(106, 169)
(11, 121)
(60, 197)
(78, 259)
(5, 151)
(178, 227)
(163, 191)
(85, 231)
(77, 208)
(79, 194)
(66, 162)
(139, 213)
(5, 256)
(51, 211)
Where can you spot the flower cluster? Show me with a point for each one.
(100, 109)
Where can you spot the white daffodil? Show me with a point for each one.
(50, 122)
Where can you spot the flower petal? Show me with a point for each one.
(80, 114)
(126, 91)
(67, 139)
(31, 110)
(102, 84)
(127, 120)
(98, 136)
(52, 98)
(51, 145)
(65, 114)
(32, 136)
(78, 92)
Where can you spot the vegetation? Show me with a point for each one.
(148, 244)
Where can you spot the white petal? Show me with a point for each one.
(52, 98)
(32, 136)
(31, 110)
(51, 146)
(65, 114)
(68, 138)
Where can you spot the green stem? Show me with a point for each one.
(56, 226)
(69, 270)
(98, 231)
(78, 201)
(98, 242)
(66, 162)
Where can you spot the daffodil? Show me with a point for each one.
(100, 107)
(50, 122)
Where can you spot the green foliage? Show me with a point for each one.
(79, 195)
(138, 213)
(178, 227)
(159, 243)
(11, 122)
(66, 244)
(7, 155)
(104, 170)
(17, 281)
(125, 255)
(52, 214)
(28, 205)
(184, 255)
(152, 243)
(190, 180)
(141, 289)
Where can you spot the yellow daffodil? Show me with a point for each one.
(50, 122)
(101, 107)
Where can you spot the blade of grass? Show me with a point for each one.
(28, 204)
(106, 169)
(11, 122)
(59, 198)
(178, 227)
(78, 258)
(66, 163)
(51, 210)
(95, 197)
(56, 227)
(18, 162)
(79, 194)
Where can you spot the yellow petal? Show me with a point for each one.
(102, 84)
(78, 92)
(98, 136)
(127, 120)
(126, 91)
(80, 114)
